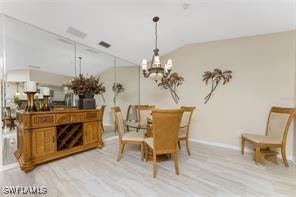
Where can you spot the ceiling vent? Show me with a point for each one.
(65, 41)
(104, 44)
(76, 32)
(91, 51)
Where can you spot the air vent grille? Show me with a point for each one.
(104, 44)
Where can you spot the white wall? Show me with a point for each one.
(128, 76)
(263, 76)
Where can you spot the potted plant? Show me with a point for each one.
(86, 88)
(117, 89)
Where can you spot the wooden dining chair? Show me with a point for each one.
(7, 119)
(277, 128)
(102, 117)
(165, 128)
(132, 137)
(143, 112)
(185, 123)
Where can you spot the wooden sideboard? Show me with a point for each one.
(45, 136)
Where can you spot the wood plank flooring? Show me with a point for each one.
(209, 171)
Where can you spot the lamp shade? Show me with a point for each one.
(156, 60)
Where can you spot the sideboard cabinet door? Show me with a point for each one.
(43, 141)
(90, 132)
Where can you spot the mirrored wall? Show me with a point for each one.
(33, 54)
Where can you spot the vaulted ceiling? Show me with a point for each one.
(127, 25)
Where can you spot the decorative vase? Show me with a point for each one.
(86, 102)
(30, 107)
(45, 106)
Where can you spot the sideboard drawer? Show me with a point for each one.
(77, 117)
(63, 118)
(42, 120)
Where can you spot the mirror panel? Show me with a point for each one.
(50, 60)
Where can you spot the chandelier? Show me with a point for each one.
(155, 70)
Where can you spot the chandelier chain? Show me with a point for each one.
(155, 35)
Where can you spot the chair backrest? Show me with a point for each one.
(186, 118)
(6, 112)
(279, 121)
(165, 128)
(131, 113)
(187, 115)
(119, 124)
(143, 112)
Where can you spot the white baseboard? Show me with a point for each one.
(9, 166)
(216, 144)
(237, 148)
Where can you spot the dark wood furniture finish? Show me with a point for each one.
(45, 136)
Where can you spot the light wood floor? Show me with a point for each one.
(209, 171)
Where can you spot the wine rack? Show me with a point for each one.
(69, 135)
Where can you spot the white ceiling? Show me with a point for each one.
(127, 25)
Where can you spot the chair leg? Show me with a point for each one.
(145, 152)
(187, 146)
(243, 145)
(176, 162)
(257, 154)
(142, 151)
(179, 145)
(154, 164)
(283, 151)
(103, 130)
(120, 151)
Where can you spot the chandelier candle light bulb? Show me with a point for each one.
(156, 60)
(144, 64)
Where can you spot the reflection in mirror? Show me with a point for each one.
(32, 55)
(97, 63)
(52, 61)
(127, 75)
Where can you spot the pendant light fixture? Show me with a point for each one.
(17, 89)
(155, 70)
(80, 59)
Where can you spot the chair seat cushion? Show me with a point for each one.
(263, 139)
(133, 136)
(149, 141)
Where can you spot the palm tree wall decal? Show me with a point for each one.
(215, 77)
(171, 83)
